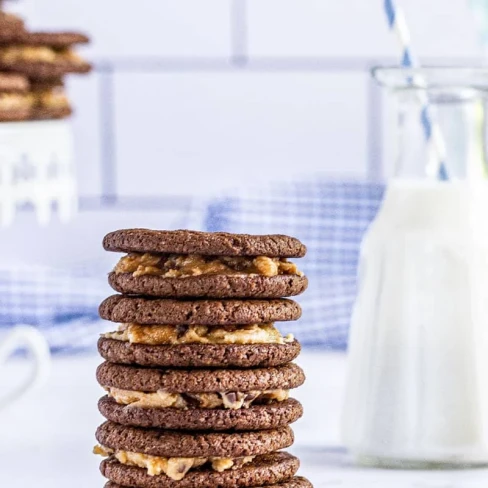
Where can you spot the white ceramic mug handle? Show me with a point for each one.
(30, 338)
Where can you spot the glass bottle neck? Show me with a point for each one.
(458, 116)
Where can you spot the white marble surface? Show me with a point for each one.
(46, 439)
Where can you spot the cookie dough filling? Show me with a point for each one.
(181, 266)
(14, 101)
(51, 98)
(199, 334)
(232, 400)
(175, 468)
(44, 54)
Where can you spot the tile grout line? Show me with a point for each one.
(239, 50)
(108, 137)
(239, 33)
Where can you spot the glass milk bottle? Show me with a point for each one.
(417, 389)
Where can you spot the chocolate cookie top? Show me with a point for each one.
(53, 39)
(203, 243)
(11, 20)
(37, 70)
(13, 83)
(118, 308)
(199, 380)
(256, 417)
(166, 443)
(47, 84)
(296, 482)
(265, 470)
(50, 113)
(11, 28)
(210, 286)
(198, 355)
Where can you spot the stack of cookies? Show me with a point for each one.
(197, 375)
(41, 60)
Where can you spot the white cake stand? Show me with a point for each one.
(37, 169)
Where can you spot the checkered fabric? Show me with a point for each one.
(330, 217)
(61, 303)
(39, 295)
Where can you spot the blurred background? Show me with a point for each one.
(238, 115)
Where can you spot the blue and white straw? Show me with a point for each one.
(436, 166)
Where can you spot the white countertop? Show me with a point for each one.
(46, 438)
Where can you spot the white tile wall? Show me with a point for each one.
(141, 28)
(87, 127)
(187, 117)
(317, 28)
(206, 129)
(213, 120)
(442, 28)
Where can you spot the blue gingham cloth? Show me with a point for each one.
(330, 217)
(61, 303)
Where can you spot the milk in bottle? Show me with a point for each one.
(418, 346)
(417, 389)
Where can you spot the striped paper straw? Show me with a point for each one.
(436, 165)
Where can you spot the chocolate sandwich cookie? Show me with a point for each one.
(218, 399)
(174, 454)
(152, 380)
(149, 311)
(198, 345)
(268, 469)
(202, 243)
(51, 59)
(15, 102)
(183, 264)
(197, 374)
(255, 417)
(49, 99)
(174, 444)
(54, 39)
(198, 355)
(207, 286)
(295, 482)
